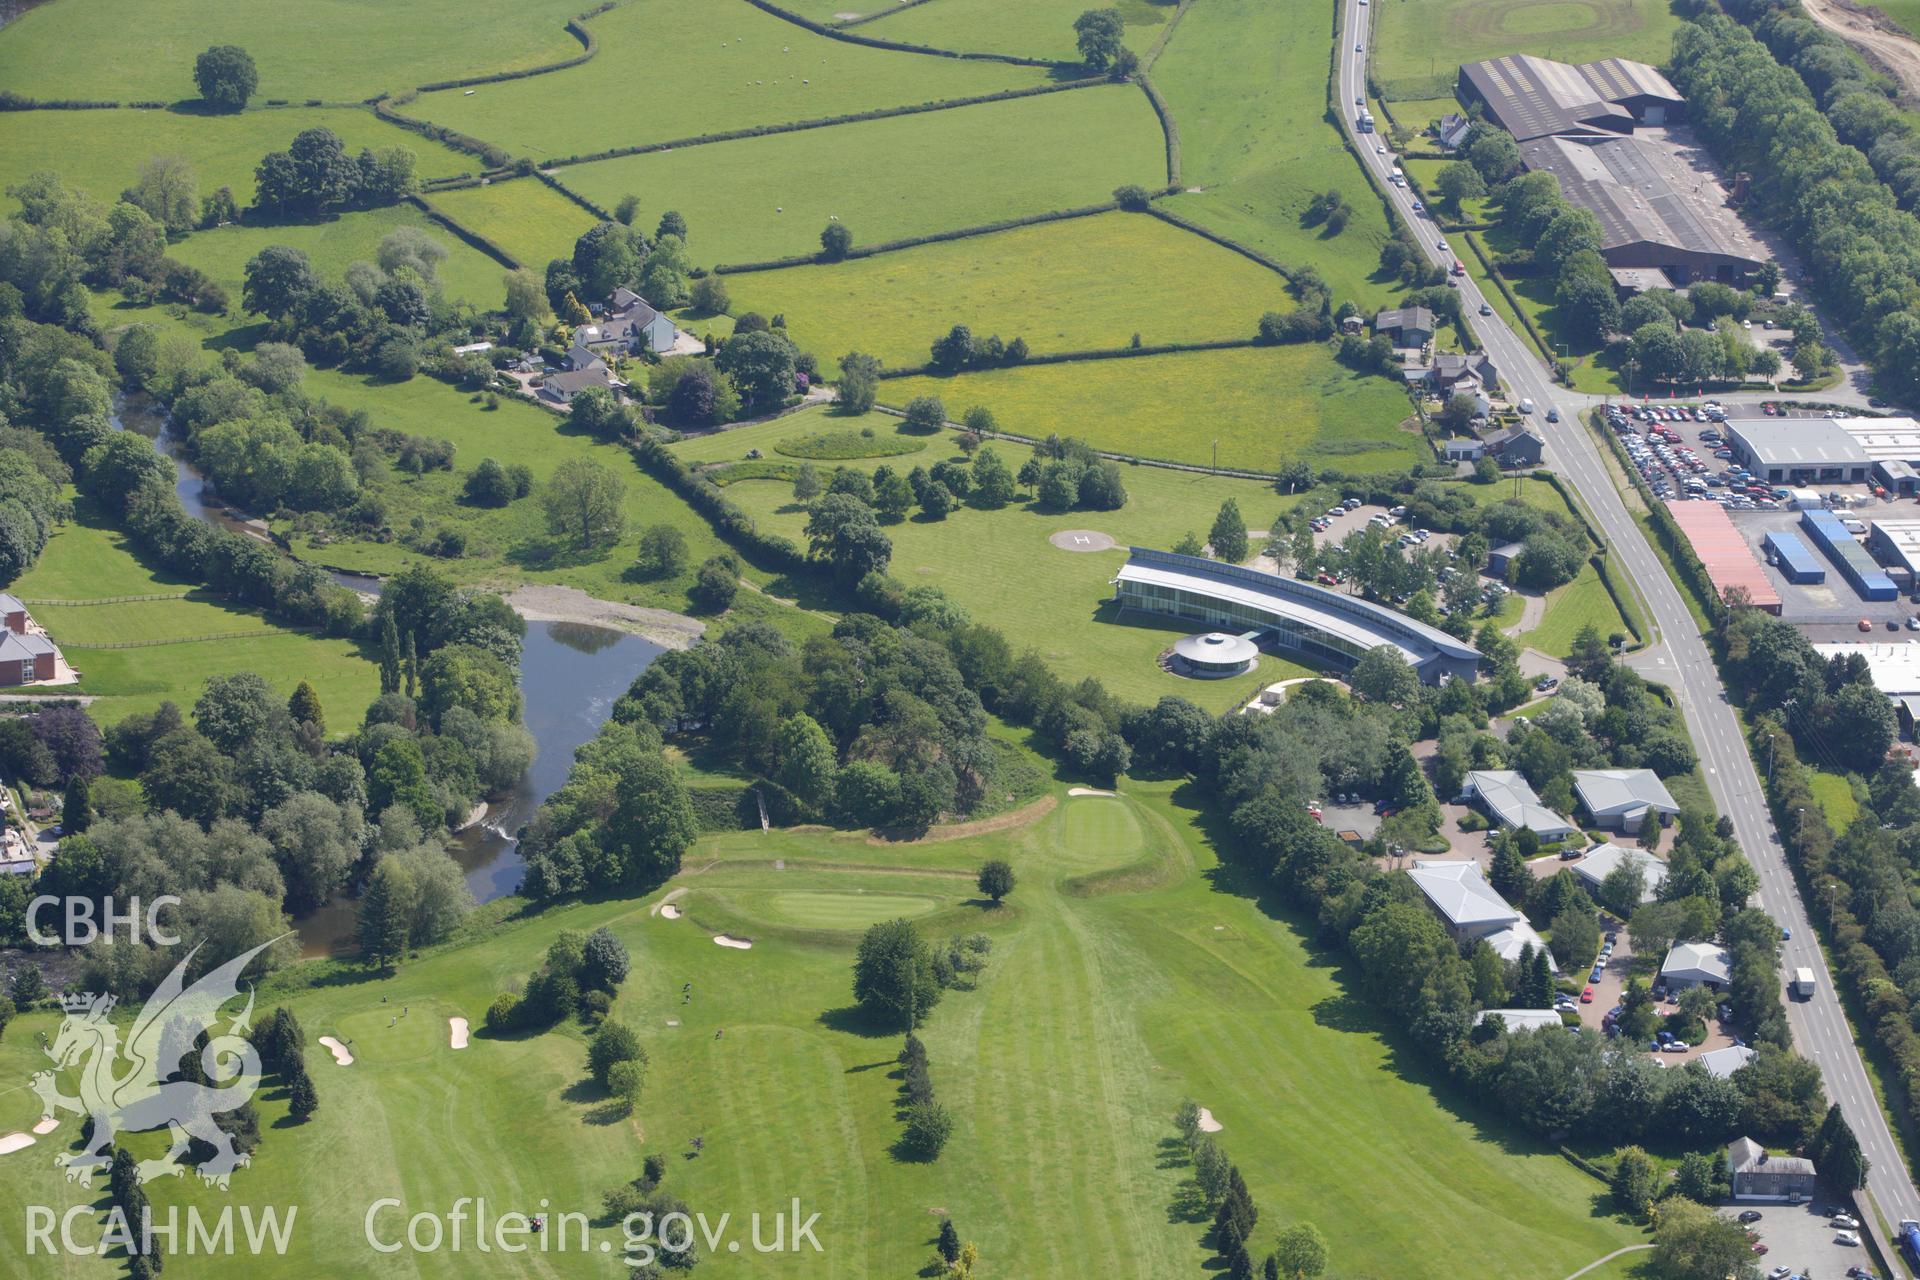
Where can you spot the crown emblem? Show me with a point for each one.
(86, 1002)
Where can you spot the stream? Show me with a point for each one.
(570, 676)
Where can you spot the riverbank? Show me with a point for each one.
(541, 602)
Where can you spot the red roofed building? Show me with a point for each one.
(1728, 558)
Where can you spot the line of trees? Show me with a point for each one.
(1862, 247)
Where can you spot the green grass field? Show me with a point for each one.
(87, 560)
(1001, 567)
(1535, 295)
(335, 50)
(769, 197)
(1835, 794)
(101, 152)
(530, 220)
(1418, 48)
(1105, 279)
(1580, 603)
(1904, 12)
(1028, 28)
(1096, 1015)
(1262, 405)
(674, 69)
(223, 252)
(1247, 82)
(510, 544)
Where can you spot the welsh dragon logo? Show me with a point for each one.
(144, 1084)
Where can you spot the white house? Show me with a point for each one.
(1693, 964)
(1623, 799)
(629, 327)
(1603, 859)
(1470, 909)
(561, 388)
(1510, 801)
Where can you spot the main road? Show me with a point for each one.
(1683, 662)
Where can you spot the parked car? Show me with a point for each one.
(1586, 995)
(1846, 1221)
(1750, 1215)
(1846, 1237)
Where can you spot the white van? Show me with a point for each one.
(1526, 406)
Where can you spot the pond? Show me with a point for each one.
(570, 677)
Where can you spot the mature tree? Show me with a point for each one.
(613, 1043)
(606, 256)
(236, 710)
(996, 879)
(1383, 675)
(1229, 534)
(627, 1080)
(715, 583)
(386, 914)
(761, 366)
(1635, 1182)
(927, 1130)
(316, 842)
(595, 410)
(1100, 33)
(1460, 181)
(663, 551)
(582, 501)
(1836, 1153)
(1300, 1253)
(836, 241)
(1691, 1242)
(275, 281)
(807, 761)
(893, 974)
(226, 77)
(993, 485)
(1701, 1177)
(859, 382)
(604, 963)
(302, 1098)
(169, 191)
(527, 297)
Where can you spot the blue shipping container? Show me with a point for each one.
(1796, 563)
(1855, 565)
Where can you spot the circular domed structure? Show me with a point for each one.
(1212, 655)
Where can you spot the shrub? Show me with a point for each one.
(503, 1012)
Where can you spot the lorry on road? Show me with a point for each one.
(1910, 1240)
(1802, 984)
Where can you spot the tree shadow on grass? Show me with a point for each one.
(1347, 1011)
(857, 1021)
(552, 553)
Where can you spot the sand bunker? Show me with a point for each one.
(661, 906)
(457, 1028)
(1207, 1123)
(15, 1142)
(1086, 791)
(47, 1125)
(342, 1056)
(670, 911)
(728, 940)
(673, 1022)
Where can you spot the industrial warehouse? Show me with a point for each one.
(1600, 128)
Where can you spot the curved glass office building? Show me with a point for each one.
(1328, 628)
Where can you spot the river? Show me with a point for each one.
(570, 676)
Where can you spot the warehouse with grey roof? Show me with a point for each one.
(1600, 128)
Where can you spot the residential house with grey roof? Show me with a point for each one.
(1510, 801)
(1623, 799)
